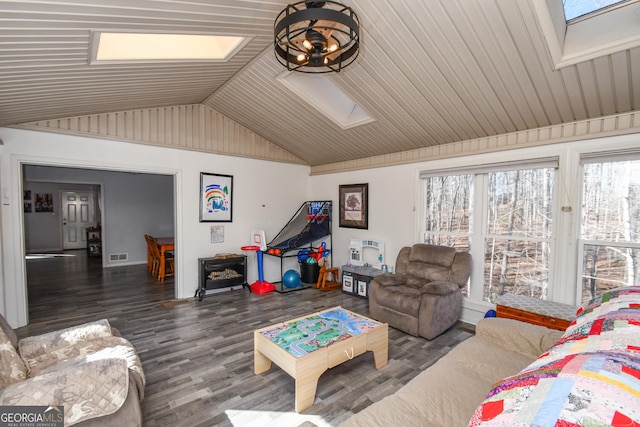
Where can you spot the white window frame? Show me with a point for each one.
(590, 158)
(477, 233)
(565, 275)
(613, 31)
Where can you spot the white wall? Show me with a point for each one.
(392, 208)
(265, 195)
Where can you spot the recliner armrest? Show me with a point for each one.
(390, 279)
(440, 288)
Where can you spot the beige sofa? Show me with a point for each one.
(587, 376)
(447, 393)
(89, 369)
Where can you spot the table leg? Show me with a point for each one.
(261, 363)
(306, 392)
(378, 343)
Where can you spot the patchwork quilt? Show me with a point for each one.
(590, 377)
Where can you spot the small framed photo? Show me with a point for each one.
(347, 283)
(362, 288)
(353, 204)
(44, 202)
(217, 233)
(216, 197)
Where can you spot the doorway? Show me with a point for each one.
(78, 214)
(134, 204)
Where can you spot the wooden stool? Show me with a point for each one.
(325, 285)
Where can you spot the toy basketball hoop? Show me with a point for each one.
(260, 286)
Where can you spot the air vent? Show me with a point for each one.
(118, 257)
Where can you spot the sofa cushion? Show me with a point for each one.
(419, 273)
(461, 269)
(9, 332)
(402, 261)
(432, 254)
(92, 349)
(445, 394)
(12, 368)
(428, 263)
(32, 347)
(524, 338)
(402, 298)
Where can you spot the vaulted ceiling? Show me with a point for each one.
(430, 72)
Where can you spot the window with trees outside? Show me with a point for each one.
(610, 225)
(449, 211)
(503, 215)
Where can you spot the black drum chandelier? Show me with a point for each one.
(316, 36)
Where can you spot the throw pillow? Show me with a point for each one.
(12, 367)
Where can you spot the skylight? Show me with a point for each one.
(613, 29)
(325, 96)
(141, 47)
(580, 8)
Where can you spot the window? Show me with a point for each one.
(144, 47)
(518, 233)
(325, 96)
(610, 225)
(571, 41)
(503, 215)
(578, 8)
(448, 211)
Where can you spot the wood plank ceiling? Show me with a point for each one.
(430, 72)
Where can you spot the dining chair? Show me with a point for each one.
(156, 259)
(150, 259)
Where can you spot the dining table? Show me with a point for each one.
(164, 244)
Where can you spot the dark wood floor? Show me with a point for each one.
(198, 356)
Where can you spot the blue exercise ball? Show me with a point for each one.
(291, 279)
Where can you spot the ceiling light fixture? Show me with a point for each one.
(316, 36)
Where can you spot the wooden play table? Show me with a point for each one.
(307, 346)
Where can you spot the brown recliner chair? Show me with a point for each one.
(423, 297)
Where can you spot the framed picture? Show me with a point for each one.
(26, 194)
(353, 203)
(217, 233)
(347, 283)
(362, 288)
(216, 197)
(44, 202)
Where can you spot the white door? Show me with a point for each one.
(78, 213)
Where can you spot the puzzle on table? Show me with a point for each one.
(304, 336)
